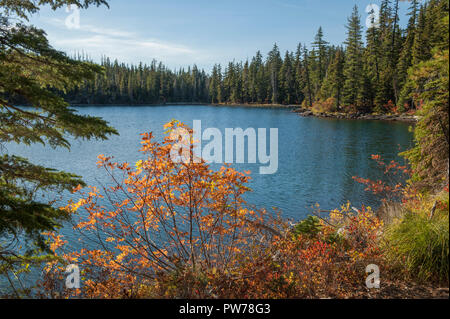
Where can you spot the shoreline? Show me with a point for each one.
(359, 116)
(295, 108)
(192, 103)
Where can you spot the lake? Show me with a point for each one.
(317, 157)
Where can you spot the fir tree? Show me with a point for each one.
(31, 72)
(334, 80)
(353, 70)
(320, 46)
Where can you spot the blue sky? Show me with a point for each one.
(184, 32)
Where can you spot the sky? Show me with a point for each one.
(203, 32)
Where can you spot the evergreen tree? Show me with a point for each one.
(30, 72)
(421, 45)
(246, 83)
(214, 85)
(274, 63)
(353, 69)
(287, 80)
(320, 46)
(306, 77)
(430, 157)
(406, 57)
(390, 45)
(334, 80)
(371, 58)
(299, 84)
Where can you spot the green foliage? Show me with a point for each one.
(31, 73)
(310, 227)
(430, 80)
(421, 245)
(333, 83)
(20, 182)
(353, 70)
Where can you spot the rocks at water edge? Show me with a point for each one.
(357, 116)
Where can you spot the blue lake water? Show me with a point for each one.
(317, 157)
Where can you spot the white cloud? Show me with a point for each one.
(129, 47)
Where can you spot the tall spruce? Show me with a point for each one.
(31, 73)
(430, 80)
(353, 69)
(274, 63)
(406, 57)
(334, 81)
(320, 54)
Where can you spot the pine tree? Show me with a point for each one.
(214, 85)
(371, 60)
(299, 84)
(274, 63)
(320, 46)
(32, 72)
(262, 83)
(287, 80)
(387, 89)
(406, 57)
(430, 157)
(421, 47)
(334, 81)
(353, 69)
(307, 78)
(395, 51)
(246, 83)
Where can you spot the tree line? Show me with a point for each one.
(370, 76)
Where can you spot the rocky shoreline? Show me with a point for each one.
(358, 116)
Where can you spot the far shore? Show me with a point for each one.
(358, 116)
(193, 103)
(295, 108)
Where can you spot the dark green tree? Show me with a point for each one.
(334, 81)
(353, 70)
(320, 50)
(31, 72)
(274, 63)
(430, 156)
(307, 77)
(406, 57)
(287, 80)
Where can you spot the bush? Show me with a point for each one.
(163, 223)
(327, 106)
(420, 244)
(310, 227)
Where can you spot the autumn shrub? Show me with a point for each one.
(305, 263)
(325, 106)
(393, 187)
(168, 221)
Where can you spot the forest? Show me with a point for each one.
(368, 76)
